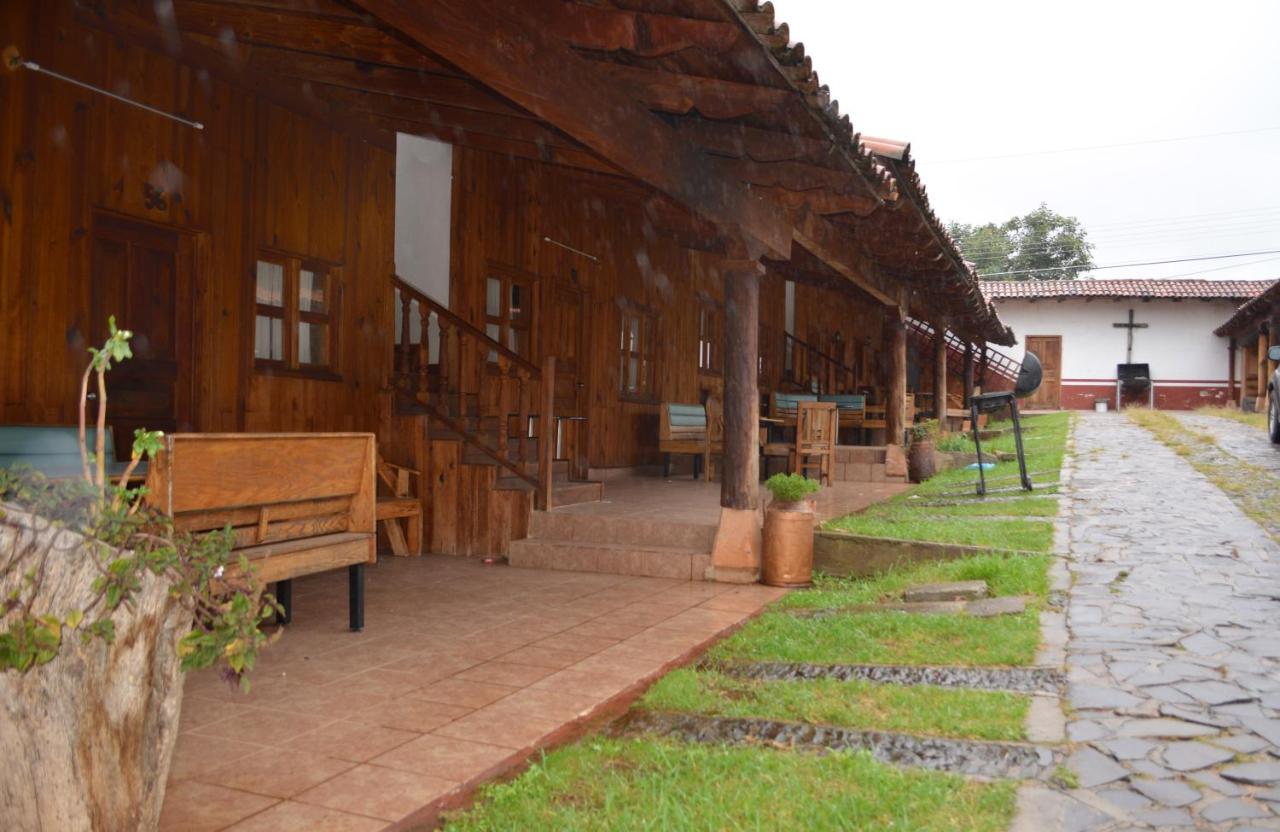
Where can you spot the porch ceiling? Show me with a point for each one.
(705, 103)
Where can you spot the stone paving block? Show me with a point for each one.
(1234, 808)
(1190, 756)
(1126, 749)
(1216, 693)
(951, 591)
(1253, 773)
(1098, 696)
(1172, 793)
(1164, 728)
(1093, 768)
(1166, 818)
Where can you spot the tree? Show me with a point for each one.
(1043, 245)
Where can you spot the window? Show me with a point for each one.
(295, 315)
(508, 312)
(636, 365)
(710, 337)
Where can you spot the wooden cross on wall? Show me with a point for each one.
(1131, 326)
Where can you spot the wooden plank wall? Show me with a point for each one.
(256, 175)
(503, 208)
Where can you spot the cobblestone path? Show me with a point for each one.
(1239, 440)
(1174, 653)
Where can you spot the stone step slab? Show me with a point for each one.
(950, 591)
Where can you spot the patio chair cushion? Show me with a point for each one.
(54, 450)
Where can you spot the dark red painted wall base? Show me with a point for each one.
(1167, 398)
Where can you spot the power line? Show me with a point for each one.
(1216, 269)
(997, 249)
(1102, 146)
(1145, 263)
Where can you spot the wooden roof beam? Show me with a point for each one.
(840, 253)
(301, 31)
(505, 48)
(640, 33)
(672, 92)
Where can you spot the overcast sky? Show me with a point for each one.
(965, 80)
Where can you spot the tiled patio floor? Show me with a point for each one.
(461, 670)
(686, 500)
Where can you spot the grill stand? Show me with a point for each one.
(987, 403)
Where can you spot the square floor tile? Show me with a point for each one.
(201, 807)
(448, 758)
(276, 772)
(385, 793)
(472, 694)
(288, 816)
(354, 741)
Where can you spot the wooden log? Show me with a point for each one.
(739, 485)
(88, 737)
(895, 413)
(968, 372)
(940, 373)
(1231, 369)
(522, 394)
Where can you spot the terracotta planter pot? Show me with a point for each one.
(788, 545)
(920, 462)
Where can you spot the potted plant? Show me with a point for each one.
(104, 607)
(920, 462)
(788, 531)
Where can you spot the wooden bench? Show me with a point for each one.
(54, 450)
(297, 503)
(682, 429)
(784, 405)
(401, 505)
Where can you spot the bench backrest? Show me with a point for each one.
(53, 450)
(781, 404)
(845, 401)
(682, 421)
(268, 487)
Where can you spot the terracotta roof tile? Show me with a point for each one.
(1198, 289)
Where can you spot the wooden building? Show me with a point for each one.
(1248, 333)
(649, 201)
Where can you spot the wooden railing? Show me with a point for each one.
(998, 364)
(467, 381)
(808, 363)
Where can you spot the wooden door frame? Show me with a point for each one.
(191, 265)
(1057, 393)
(551, 285)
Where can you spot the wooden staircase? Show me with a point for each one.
(481, 408)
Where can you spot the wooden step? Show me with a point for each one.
(563, 492)
(610, 558)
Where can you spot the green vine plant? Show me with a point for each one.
(123, 539)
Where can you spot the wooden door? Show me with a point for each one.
(141, 274)
(1048, 348)
(565, 336)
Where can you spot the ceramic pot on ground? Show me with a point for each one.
(788, 544)
(920, 462)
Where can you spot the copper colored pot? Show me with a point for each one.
(920, 462)
(788, 545)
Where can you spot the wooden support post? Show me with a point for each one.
(547, 432)
(1231, 369)
(968, 374)
(1260, 400)
(735, 554)
(940, 374)
(740, 482)
(895, 413)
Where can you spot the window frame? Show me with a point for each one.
(292, 316)
(645, 355)
(503, 320)
(710, 333)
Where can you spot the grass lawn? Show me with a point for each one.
(635, 784)
(909, 517)
(1004, 574)
(887, 638)
(1257, 420)
(922, 709)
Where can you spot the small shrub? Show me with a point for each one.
(954, 442)
(925, 430)
(791, 488)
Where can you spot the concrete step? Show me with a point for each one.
(598, 528)
(563, 492)
(610, 558)
(861, 454)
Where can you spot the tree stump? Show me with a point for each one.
(87, 738)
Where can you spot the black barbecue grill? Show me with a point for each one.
(1134, 379)
(1029, 378)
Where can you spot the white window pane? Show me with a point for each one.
(270, 283)
(313, 343)
(268, 338)
(313, 291)
(633, 374)
(493, 297)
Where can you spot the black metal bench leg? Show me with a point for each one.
(697, 466)
(977, 446)
(1017, 437)
(666, 466)
(284, 597)
(355, 598)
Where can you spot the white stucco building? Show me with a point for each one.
(1079, 329)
